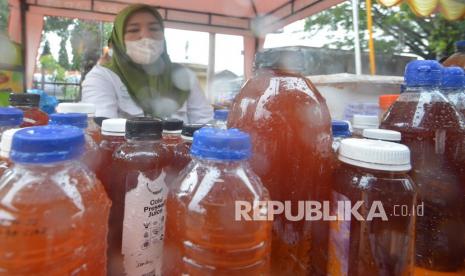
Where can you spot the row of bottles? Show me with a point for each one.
(168, 203)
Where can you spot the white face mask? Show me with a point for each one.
(110, 52)
(145, 50)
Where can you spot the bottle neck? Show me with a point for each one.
(145, 140)
(45, 167)
(276, 71)
(452, 90)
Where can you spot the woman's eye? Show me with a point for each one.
(132, 30)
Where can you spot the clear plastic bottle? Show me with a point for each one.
(88, 108)
(5, 149)
(91, 156)
(341, 130)
(172, 129)
(458, 58)
(113, 136)
(29, 104)
(433, 130)
(385, 102)
(203, 235)
(53, 212)
(453, 87)
(290, 126)
(381, 239)
(220, 117)
(137, 218)
(382, 135)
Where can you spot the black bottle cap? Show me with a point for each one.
(144, 127)
(24, 99)
(172, 124)
(291, 59)
(189, 129)
(99, 120)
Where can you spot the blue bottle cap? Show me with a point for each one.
(10, 116)
(47, 144)
(460, 44)
(221, 114)
(423, 73)
(70, 119)
(221, 144)
(452, 77)
(340, 128)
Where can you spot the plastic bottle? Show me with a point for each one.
(53, 212)
(10, 118)
(290, 126)
(172, 129)
(92, 128)
(433, 130)
(113, 136)
(380, 240)
(5, 149)
(29, 104)
(203, 235)
(458, 58)
(382, 134)
(360, 122)
(453, 87)
(91, 156)
(341, 130)
(139, 192)
(182, 150)
(220, 117)
(385, 102)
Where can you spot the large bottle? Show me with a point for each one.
(378, 239)
(290, 127)
(92, 128)
(138, 192)
(29, 104)
(53, 212)
(204, 234)
(91, 156)
(113, 136)
(453, 87)
(433, 130)
(458, 58)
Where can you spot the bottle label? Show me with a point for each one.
(339, 239)
(144, 226)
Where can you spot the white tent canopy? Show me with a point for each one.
(251, 19)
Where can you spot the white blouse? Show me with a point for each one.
(105, 89)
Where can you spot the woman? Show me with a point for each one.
(140, 79)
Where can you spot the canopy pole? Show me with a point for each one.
(358, 59)
(24, 41)
(211, 64)
(370, 41)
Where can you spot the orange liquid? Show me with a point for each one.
(5, 164)
(202, 235)
(171, 142)
(130, 161)
(457, 59)
(94, 131)
(431, 127)
(33, 116)
(106, 169)
(290, 127)
(52, 225)
(91, 155)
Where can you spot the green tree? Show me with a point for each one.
(4, 13)
(396, 30)
(46, 49)
(63, 59)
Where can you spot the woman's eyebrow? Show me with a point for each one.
(133, 25)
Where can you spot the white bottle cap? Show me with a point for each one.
(365, 121)
(87, 108)
(7, 140)
(114, 127)
(382, 134)
(374, 154)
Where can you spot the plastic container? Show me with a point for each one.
(29, 104)
(91, 156)
(341, 130)
(380, 240)
(453, 87)
(5, 149)
(172, 129)
(220, 117)
(385, 102)
(203, 235)
(382, 134)
(57, 210)
(433, 130)
(113, 136)
(361, 122)
(137, 218)
(290, 126)
(92, 128)
(458, 58)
